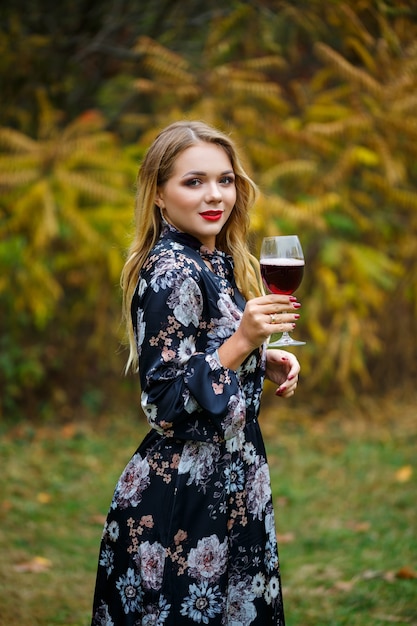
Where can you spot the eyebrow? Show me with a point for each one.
(198, 173)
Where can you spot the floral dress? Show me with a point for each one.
(190, 535)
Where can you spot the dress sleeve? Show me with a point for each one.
(186, 392)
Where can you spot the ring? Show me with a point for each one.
(273, 318)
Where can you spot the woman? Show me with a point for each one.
(190, 536)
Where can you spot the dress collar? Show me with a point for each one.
(191, 241)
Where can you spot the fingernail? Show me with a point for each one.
(296, 305)
(296, 316)
(293, 299)
(280, 391)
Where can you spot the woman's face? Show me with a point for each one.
(201, 192)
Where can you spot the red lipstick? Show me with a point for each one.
(212, 216)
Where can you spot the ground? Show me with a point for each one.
(344, 484)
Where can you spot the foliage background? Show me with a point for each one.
(322, 98)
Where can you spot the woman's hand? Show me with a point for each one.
(282, 368)
(261, 318)
(266, 315)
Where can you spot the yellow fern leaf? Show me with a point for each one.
(350, 15)
(296, 167)
(405, 104)
(404, 197)
(347, 126)
(349, 71)
(18, 179)
(219, 33)
(365, 156)
(329, 112)
(150, 47)
(15, 141)
(85, 183)
(258, 89)
(162, 67)
(363, 53)
(265, 63)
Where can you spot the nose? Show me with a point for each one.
(213, 193)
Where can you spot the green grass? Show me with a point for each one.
(345, 492)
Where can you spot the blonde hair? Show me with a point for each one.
(155, 170)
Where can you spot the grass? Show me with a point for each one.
(345, 492)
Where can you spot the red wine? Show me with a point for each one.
(282, 275)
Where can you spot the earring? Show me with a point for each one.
(161, 212)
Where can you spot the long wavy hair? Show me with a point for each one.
(154, 172)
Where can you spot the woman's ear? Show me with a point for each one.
(159, 200)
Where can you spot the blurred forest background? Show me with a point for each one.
(322, 98)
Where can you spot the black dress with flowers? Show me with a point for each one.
(190, 535)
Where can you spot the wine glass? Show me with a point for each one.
(282, 269)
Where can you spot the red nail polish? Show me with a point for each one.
(296, 305)
(293, 299)
(296, 316)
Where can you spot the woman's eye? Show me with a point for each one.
(193, 182)
(227, 180)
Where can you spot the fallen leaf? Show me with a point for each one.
(6, 506)
(388, 576)
(281, 501)
(369, 574)
(359, 527)
(98, 519)
(285, 537)
(406, 573)
(404, 474)
(43, 497)
(68, 431)
(37, 565)
(390, 618)
(344, 585)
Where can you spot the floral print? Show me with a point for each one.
(150, 562)
(240, 606)
(209, 559)
(202, 603)
(190, 535)
(130, 591)
(258, 488)
(131, 483)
